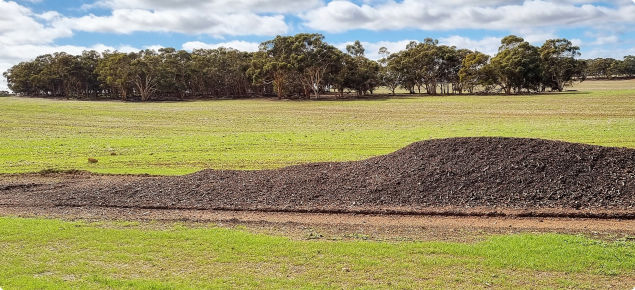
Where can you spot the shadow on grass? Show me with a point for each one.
(325, 97)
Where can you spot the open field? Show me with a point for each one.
(603, 85)
(178, 138)
(86, 231)
(50, 254)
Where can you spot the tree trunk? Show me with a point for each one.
(279, 82)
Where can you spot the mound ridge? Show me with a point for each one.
(486, 172)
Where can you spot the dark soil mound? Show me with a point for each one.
(510, 173)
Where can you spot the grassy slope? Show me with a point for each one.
(178, 138)
(50, 254)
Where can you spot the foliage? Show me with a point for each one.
(559, 64)
(601, 67)
(609, 67)
(217, 72)
(517, 65)
(476, 71)
(304, 65)
(362, 73)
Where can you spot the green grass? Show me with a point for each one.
(178, 138)
(183, 137)
(53, 254)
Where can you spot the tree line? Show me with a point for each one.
(305, 66)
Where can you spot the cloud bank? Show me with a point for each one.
(25, 34)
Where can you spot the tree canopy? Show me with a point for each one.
(305, 66)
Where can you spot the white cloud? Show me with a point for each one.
(577, 42)
(610, 39)
(612, 52)
(536, 36)
(22, 37)
(236, 44)
(155, 47)
(487, 45)
(601, 39)
(339, 15)
(214, 17)
(212, 6)
(191, 22)
(18, 26)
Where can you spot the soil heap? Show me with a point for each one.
(495, 173)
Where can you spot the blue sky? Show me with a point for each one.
(29, 28)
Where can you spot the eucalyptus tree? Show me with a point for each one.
(356, 49)
(476, 71)
(628, 65)
(74, 74)
(115, 73)
(70, 73)
(559, 63)
(428, 60)
(87, 74)
(20, 78)
(237, 64)
(306, 65)
(221, 72)
(369, 74)
(470, 74)
(437, 65)
(49, 79)
(452, 63)
(622, 68)
(600, 67)
(174, 72)
(206, 71)
(339, 75)
(389, 75)
(46, 81)
(58, 74)
(362, 73)
(517, 65)
(404, 66)
(312, 58)
(144, 72)
(272, 63)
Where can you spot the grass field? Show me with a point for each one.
(183, 137)
(51, 254)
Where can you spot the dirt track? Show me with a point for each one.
(328, 226)
(531, 184)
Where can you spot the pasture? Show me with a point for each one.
(172, 138)
(52, 254)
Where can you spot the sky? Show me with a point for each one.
(29, 28)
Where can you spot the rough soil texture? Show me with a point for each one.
(453, 177)
(344, 226)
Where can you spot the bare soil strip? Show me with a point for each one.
(311, 225)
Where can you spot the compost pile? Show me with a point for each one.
(508, 173)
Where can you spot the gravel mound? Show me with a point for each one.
(510, 173)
